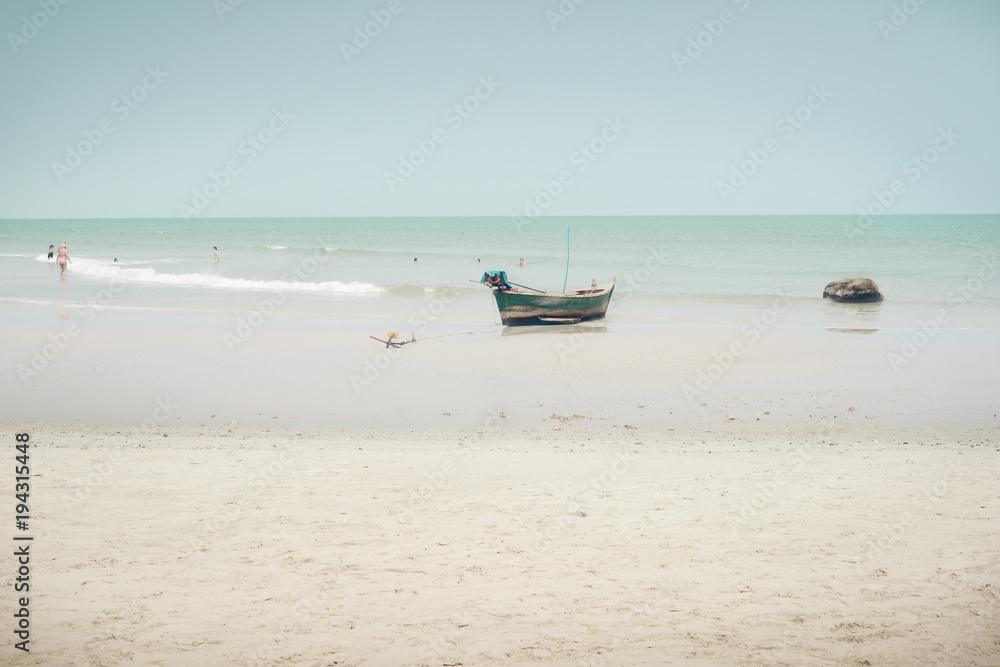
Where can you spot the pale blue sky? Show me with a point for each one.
(679, 133)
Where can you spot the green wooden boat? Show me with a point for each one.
(520, 305)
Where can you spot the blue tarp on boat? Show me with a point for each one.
(488, 274)
(496, 280)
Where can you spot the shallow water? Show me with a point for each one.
(672, 271)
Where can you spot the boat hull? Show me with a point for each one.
(520, 308)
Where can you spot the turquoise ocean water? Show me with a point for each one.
(672, 271)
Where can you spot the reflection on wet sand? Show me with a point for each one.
(844, 330)
(581, 328)
(865, 314)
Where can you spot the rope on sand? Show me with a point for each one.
(392, 336)
(464, 333)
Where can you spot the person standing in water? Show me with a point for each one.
(52, 249)
(522, 262)
(63, 261)
(216, 250)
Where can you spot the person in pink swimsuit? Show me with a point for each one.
(63, 260)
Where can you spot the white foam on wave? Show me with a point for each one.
(145, 263)
(90, 304)
(34, 302)
(96, 269)
(120, 262)
(126, 263)
(276, 247)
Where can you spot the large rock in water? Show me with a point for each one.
(854, 290)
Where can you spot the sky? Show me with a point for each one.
(230, 108)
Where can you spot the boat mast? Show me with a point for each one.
(567, 261)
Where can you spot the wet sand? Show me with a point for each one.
(292, 375)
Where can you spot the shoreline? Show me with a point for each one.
(561, 426)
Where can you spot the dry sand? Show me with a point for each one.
(560, 544)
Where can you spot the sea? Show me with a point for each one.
(405, 273)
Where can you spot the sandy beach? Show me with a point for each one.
(598, 495)
(562, 544)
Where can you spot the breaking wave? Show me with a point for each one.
(94, 269)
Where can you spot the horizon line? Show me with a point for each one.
(536, 219)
